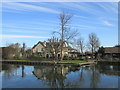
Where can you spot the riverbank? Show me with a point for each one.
(69, 76)
(29, 62)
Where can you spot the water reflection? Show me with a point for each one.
(61, 76)
(56, 76)
(95, 77)
(113, 70)
(23, 73)
(9, 70)
(53, 75)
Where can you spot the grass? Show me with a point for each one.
(73, 61)
(51, 61)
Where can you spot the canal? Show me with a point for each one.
(60, 76)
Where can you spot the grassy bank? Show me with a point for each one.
(51, 61)
(73, 61)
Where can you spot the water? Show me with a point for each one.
(61, 76)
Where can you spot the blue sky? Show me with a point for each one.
(31, 22)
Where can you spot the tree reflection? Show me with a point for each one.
(9, 70)
(53, 75)
(78, 80)
(23, 74)
(63, 76)
(95, 77)
(81, 76)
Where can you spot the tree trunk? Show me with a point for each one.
(62, 41)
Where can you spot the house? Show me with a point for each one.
(112, 52)
(73, 53)
(43, 50)
(88, 54)
(39, 48)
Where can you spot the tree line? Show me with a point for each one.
(65, 35)
(68, 35)
(16, 51)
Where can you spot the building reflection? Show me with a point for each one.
(61, 76)
(54, 75)
(113, 70)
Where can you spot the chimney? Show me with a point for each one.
(44, 43)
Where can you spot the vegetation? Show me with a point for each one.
(80, 44)
(101, 50)
(15, 51)
(74, 61)
(63, 61)
(94, 42)
(65, 36)
(54, 47)
(65, 33)
(11, 51)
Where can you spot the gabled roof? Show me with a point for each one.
(37, 44)
(112, 49)
(46, 44)
(42, 43)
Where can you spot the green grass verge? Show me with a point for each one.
(73, 61)
(51, 61)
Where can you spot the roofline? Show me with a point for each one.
(36, 45)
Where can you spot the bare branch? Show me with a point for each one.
(93, 42)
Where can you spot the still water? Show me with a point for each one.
(60, 76)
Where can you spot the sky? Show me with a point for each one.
(30, 22)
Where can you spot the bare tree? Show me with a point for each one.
(65, 31)
(54, 46)
(28, 52)
(17, 49)
(80, 44)
(93, 42)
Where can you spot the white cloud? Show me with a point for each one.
(82, 17)
(107, 23)
(27, 7)
(85, 7)
(109, 7)
(20, 36)
(60, 0)
(29, 26)
(20, 31)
